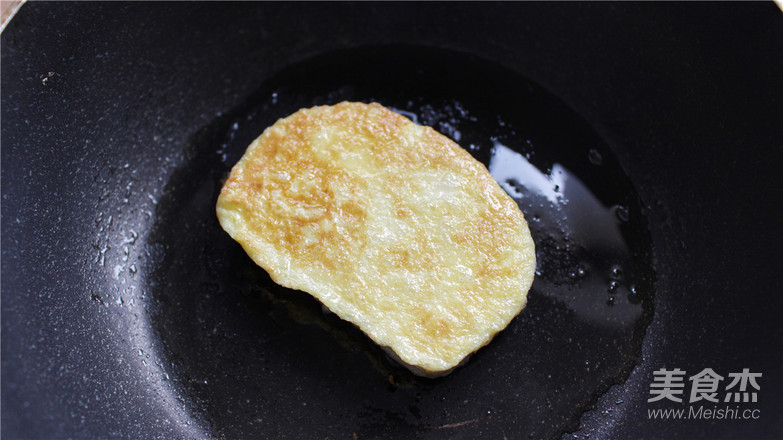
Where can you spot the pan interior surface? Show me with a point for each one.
(249, 358)
(127, 312)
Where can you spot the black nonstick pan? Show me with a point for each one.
(643, 142)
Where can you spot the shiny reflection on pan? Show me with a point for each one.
(571, 218)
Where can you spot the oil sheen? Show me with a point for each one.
(270, 354)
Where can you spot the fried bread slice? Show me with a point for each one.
(390, 224)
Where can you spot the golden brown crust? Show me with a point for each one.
(391, 225)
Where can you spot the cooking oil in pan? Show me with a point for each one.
(255, 358)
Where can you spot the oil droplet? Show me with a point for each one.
(595, 157)
(578, 273)
(633, 296)
(102, 254)
(622, 213)
(132, 239)
(410, 115)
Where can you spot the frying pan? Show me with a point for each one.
(642, 141)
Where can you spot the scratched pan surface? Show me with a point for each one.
(643, 155)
